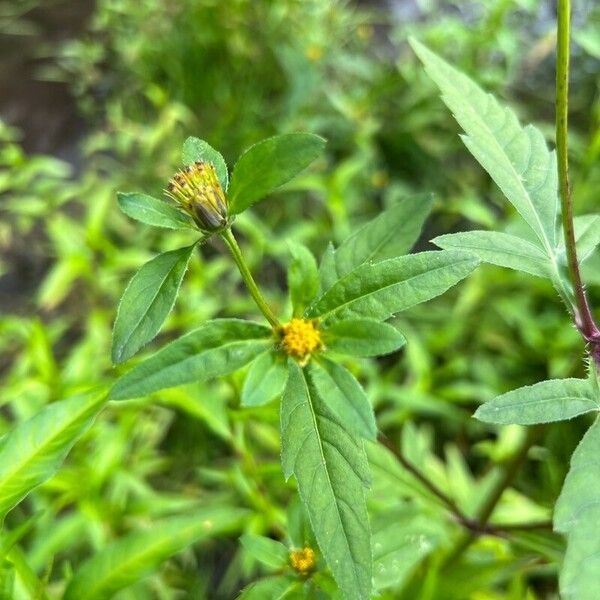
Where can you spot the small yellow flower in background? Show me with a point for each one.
(300, 338)
(196, 189)
(314, 53)
(303, 561)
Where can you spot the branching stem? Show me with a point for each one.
(253, 288)
(583, 314)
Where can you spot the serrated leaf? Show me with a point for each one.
(147, 301)
(345, 396)
(363, 337)
(303, 277)
(392, 233)
(152, 211)
(265, 379)
(379, 290)
(214, 349)
(500, 249)
(34, 449)
(517, 158)
(195, 149)
(269, 164)
(331, 468)
(130, 558)
(544, 402)
(265, 550)
(577, 515)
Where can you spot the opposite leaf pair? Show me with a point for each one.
(339, 308)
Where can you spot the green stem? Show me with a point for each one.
(583, 315)
(254, 290)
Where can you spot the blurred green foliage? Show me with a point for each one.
(148, 74)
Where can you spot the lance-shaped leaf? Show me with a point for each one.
(147, 301)
(331, 468)
(500, 249)
(363, 337)
(345, 396)
(516, 157)
(577, 515)
(33, 450)
(392, 233)
(266, 550)
(277, 587)
(544, 402)
(380, 290)
(195, 149)
(217, 348)
(265, 379)
(269, 164)
(152, 211)
(134, 556)
(303, 278)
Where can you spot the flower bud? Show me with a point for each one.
(196, 189)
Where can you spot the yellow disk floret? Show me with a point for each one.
(303, 561)
(300, 338)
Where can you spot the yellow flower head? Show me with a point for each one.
(300, 338)
(197, 190)
(303, 561)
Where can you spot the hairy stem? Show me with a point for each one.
(583, 314)
(253, 288)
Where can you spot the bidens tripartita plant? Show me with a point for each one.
(339, 306)
(552, 245)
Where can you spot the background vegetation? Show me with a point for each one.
(141, 77)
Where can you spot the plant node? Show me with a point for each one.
(300, 338)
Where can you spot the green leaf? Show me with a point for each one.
(34, 449)
(345, 396)
(214, 349)
(269, 164)
(147, 301)
(134, 556)
(265, 550)
(544, 402)
(303, 278)
(392, 233)
(271, 588)
(152, 211)
(265, 379)
(327, 269)
(587, 235)
(516, 158)
(363, 337)
(401, 540)
(380, 290)
(500, 249)
(331, 468)
(577, 515)
(195, 149)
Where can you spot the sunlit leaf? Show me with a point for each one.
(362, 337)
(34, 449)
(517, 158)
(265, 379)
(195, 149)
(544, 402)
